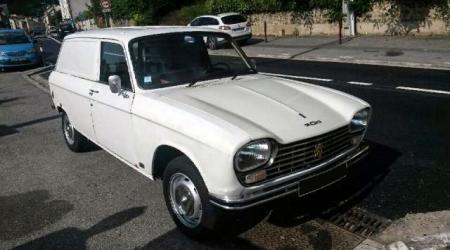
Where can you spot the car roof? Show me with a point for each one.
(228, 14)
(220, 15)
(126, 34)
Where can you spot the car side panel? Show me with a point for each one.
(72, 95)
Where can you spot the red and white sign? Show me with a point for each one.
(106, 5)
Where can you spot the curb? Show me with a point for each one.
(436, 241)
(39, 82)
(412, 65)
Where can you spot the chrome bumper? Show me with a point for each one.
(317, 178)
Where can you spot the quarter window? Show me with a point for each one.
(113, 62)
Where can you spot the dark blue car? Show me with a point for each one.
(17, 49)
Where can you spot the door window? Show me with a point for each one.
(113, 62)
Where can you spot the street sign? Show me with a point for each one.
(106, 5)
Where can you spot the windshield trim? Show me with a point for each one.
(240, 52)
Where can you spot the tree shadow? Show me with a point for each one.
(75, 238)
(362, 178)
(21, 214)
(12, 129)
(405, 16)
(7, 100)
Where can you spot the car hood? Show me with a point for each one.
(15, 47)
(268, 107)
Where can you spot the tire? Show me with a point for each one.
(181, 175)
(74, 140)
(212, 43)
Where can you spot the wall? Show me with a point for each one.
(385, 19)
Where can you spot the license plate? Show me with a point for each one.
(238, 29)
(321, 180)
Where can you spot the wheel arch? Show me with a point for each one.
(162, 156)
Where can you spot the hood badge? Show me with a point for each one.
(313, 123)
(318, 151)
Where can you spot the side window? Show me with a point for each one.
(196, 22)
(210, 21)
(113, 62)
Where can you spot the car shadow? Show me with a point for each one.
(24, 213)
(292, 212)
(75, 238)
(362, 178)
(175, 239)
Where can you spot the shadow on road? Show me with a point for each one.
(75, 238)
(12, 129)
(174, 239)
(21, 214)
(360, 181)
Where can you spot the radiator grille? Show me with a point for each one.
(304, 154)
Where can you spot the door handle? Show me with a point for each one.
(91, 92)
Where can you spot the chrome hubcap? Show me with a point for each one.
(68, 131)
(185, 200)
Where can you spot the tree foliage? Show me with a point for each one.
(150, 12)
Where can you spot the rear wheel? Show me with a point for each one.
(74, 140)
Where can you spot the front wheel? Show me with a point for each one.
(187, 198)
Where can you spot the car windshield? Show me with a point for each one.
(13, 38)
(233, 19)
(179, 58)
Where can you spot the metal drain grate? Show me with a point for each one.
(361, 222)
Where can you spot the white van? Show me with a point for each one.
(220, 136)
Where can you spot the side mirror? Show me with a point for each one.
(115, 83)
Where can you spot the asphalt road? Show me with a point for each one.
(49, 195)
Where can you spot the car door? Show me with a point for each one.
(75, 73)
(111, 112)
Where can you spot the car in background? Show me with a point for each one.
(234, 24)
(17, 49)
(65, 28)
(52, 31)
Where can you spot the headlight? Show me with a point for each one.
(253, 155)
(3, 53)
(360, 120)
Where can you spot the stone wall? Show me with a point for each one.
(385, 19)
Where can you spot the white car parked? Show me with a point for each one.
(221, 136)
(234, 24)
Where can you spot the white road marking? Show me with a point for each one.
(54, 39)
(299, 77)
(361, 83)
(424, 90)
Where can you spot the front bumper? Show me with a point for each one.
(303, 182)
(242, 37)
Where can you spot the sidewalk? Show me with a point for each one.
(416, 52)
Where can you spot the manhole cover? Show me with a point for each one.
(361, 222)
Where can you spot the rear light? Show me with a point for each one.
(224, 27)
